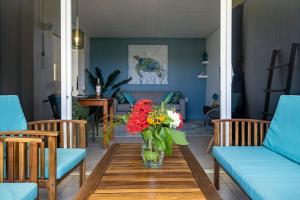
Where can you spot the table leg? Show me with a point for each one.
(105, 124)
(111, 121)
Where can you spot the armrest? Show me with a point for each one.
(242, 132)
(71, 132)
(30, 133)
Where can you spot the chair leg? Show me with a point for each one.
(52, 191)
(216, 174)
(210, 144)
(82, 169)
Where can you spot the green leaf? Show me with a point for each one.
(168, 141)
(100, 76)
(147, 134)
(121, 83)
(149, 155)
(167, 120)
(111, 78)
(92, 78)
(159, 142)
(178, 136)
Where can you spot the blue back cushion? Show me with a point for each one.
(167, 98)
(283, 136)
(11, 114)
(129, 98)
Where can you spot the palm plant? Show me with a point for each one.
(109, 86)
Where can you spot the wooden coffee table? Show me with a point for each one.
(120, 175)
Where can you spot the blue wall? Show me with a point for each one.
(184, 64)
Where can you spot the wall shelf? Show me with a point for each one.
(202, 76)
(205, 62)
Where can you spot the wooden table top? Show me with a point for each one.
(94, 101)
(121, 175)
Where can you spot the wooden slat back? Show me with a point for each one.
(71, 130)
(22, 161)
(74, 135)
(16, 159)
(217, 133)
(237, 124)
(42, 160)
(255, 134)
(230, 133)
(242, 132)
(249, 134)
(82, 133)
(33, 162)
(1, 161)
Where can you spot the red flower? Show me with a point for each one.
(137, 121)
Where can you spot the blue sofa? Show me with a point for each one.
(267, 167)
(63, 143)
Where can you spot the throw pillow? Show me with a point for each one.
(176, 97)
(121, 98)
(129, 98)
(167, 98)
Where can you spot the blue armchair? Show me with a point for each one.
(62, 149)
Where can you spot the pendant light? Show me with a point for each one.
(77, 34)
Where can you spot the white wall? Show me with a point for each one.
(213, 68)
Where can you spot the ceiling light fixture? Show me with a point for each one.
(77, 34)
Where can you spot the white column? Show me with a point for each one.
(66, 61)
(225, 60)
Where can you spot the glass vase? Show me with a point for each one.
(152, 157)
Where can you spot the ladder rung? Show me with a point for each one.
(277, 67)
(276, 90)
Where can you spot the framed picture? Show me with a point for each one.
(148, 64)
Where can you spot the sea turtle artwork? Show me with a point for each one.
(149, 65)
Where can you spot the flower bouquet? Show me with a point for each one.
(158, 127)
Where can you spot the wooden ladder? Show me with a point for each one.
(287, 89)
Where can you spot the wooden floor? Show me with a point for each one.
(121, 175)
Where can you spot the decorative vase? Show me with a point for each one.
(152, 157)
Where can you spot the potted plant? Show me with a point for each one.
(158, 126)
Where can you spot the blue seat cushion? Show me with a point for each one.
(283, 135)
(262, 173)
(18, 191)
(67, 159)
(11, 116)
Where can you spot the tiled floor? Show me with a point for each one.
(228, 189)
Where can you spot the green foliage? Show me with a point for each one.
(177, 136)
(151, 155)
(108, 86)
(168, 140)
(158, 142)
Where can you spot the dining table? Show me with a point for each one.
(108, 116)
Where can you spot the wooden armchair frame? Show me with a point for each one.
(74, 132)
(21, 164)
(49, 139)
(242, 132)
